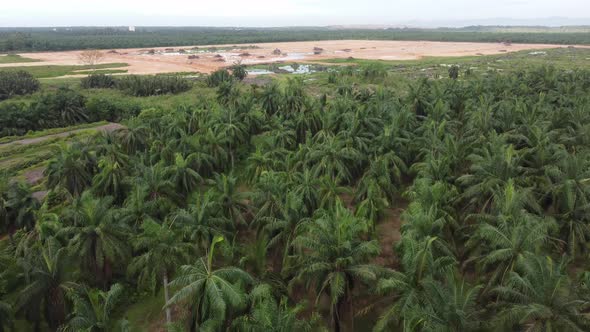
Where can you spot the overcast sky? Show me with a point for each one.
(289, 12)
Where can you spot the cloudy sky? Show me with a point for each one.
(290, 12)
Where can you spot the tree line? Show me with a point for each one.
(74, 38)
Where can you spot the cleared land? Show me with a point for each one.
(206, 59)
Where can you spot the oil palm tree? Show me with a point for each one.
(93, 310)
(539, 296)
(46, 271)
(96, 236)
(72, 168)
(185, 178)
(160, 251)
(233, 203)
(110, 179)
(334, 258)
(19, 208)
(268, 314)
(201, 221)
(6, 317)
(210, 293)
(421, 263)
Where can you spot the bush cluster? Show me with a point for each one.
(64, 107)
(143, 86)
(98, 81)
(17, 83)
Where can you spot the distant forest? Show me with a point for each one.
(60, 39)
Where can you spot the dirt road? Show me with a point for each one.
(206, 59)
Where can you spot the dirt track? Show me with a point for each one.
(142, 62)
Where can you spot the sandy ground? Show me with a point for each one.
(175, 59)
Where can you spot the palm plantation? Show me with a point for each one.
(275, 208)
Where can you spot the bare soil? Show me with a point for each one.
(158, 60)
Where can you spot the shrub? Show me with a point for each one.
(219, 76)
(239, 71)
(15, 119)
(374, 71)
(14, 83)
(454, 72)
(143, 86)
(61, 108)
(98, 81)
(102, 108)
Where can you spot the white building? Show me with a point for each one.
(131, 28)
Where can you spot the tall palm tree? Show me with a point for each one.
(160, 252)
(233, 203)
(93, 309)
(185, 178)
(334, 257)
(96, 236)
(110, 180)
(46, 270)
(209, 292)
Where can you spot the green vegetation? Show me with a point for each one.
(74, 38)
(15, 58)
(379, 196)
(143, 86)
(60, 108)
(57, 71)
(14, 83)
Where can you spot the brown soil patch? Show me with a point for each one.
(388, 233)
(157, 60)
(34, 176)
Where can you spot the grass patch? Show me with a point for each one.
(57, 71)
(52, 131)
(15, 58)
(145, 313)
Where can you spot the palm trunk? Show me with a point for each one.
(335, 317)
(167, 298)
(351, 308)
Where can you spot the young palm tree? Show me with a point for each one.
(334, 159)
(334, 257)
(161, 251)
(211, 293)
(539, 296)
(93, 309)
(266, 314)
(505, 238)
(96, 236)
(421, 263)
